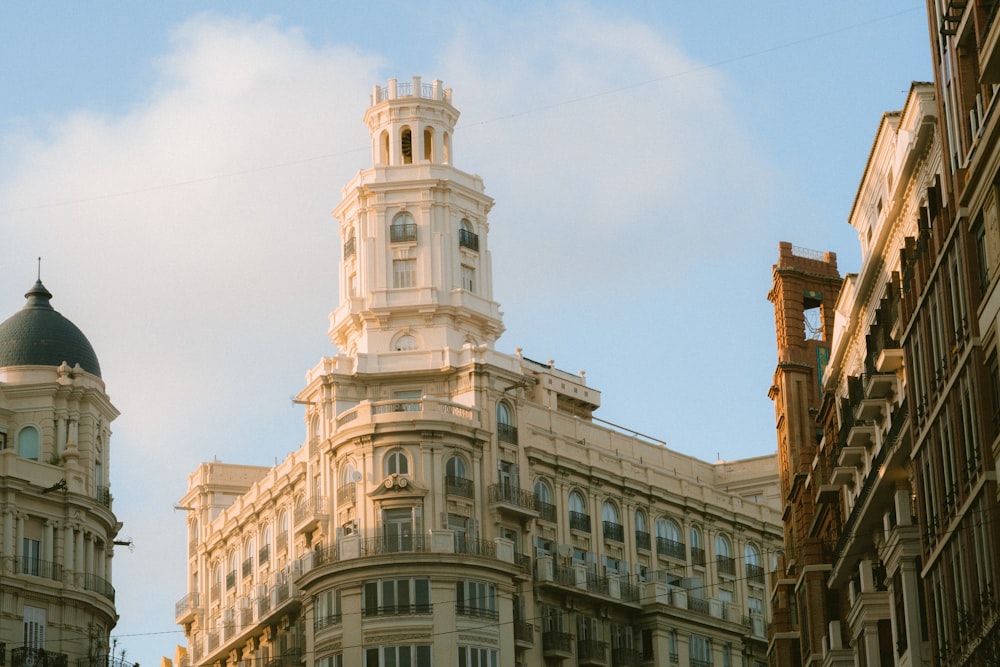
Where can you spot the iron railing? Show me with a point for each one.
(507, 433)
(579, 521)
(642, 540)
(591, 649)
(507, 493)
(726, 565)
(672, 548)
(392, 544)
(468, 239)
(524, 632)
(187, 603)
(459, 486)
(403, 231)
(613, 531)
(554, 640)
(546, 511)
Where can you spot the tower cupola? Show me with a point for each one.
(416, 275)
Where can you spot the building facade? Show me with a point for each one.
(951, 315)
(57, 605)
(455, 505)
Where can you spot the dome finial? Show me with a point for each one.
(39, 269)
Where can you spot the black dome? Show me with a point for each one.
(37, 335)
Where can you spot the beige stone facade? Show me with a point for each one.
(455, 505)
(57, 528)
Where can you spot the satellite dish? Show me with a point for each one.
(565, 550)
(355, 476)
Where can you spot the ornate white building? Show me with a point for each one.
(57, 605)
(455, 505)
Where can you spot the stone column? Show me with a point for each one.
(69, 555)
(910, 578)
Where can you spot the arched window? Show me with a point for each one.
(396, 463)
(265, 545)
(383, 156)
(456, 482)
(722, 546)
(403, 228)
(405, 343)
(754, 571)
(248, 554)
(579, 518)
(667, 528)
(406, 145)
(506, 431)
(641, 530)
(543, 491)
(216, 592)
(611, 522)
(231, 574)
(455, 467)
(282, 530)
(27, 443)
(467, 237)
(724, 555)
(429, 144)
(697, 547)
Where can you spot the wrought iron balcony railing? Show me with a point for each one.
(459, 486)
(402, 232)
(671, 548)
(726, 565)
(468, 239)
(507, 433)
(642, 540)
(613, 531)
(579, 521)
(507, 493)
(392, 544)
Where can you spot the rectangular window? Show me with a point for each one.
(468, 278)
(404, 273)
(392, 597)
(327, 609)
(475, 656)
(34, 630)
(701, 650)
(335, 660)
(476, 598)
(32, 550)
(406, 655)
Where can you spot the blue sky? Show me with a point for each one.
(175, 165)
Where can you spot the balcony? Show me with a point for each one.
(507, 433)
(99, 585)
(397, 610)
(579, 521)
(186, 608)
(665, 547)
(459, 486)
(349, 247)
(309, 512)
(755, 574)
(475, 546)
(324, 622)
(264, 554)
(625, 657)
(524, 633)
(546, 511)
(247, 568)
(103, 495)
(642, 540)
(725, 565)
(231, 580)
(25, 656)
(698, 556)
(403, 232)
(346, 493)
(36, 567)
(468, 239)
(393, 544)
(591, 652)
(513, 500)
(613, 531)
(557, 644)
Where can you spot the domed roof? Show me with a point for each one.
(37, 335)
